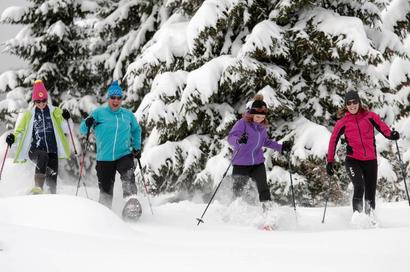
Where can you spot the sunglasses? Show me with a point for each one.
(40, 101)
(116, 97)
(352, 102)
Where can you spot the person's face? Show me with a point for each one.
(258, 118)
(115, 102)
(41, 104)
(352, 106)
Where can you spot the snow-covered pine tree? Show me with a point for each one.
(122, 28)
(302, 55)
(52, 44)
(396, 19)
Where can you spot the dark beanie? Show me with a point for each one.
(258, 105)
(352, 95)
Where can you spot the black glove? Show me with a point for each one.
(136, 153)
(330, 168)
(66, 114)
(286, 146)
(89, 122)
(83, 114)
(10, 139)
(243, 139)
(394, 135)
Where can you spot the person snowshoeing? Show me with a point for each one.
(248, 136)
(118, 139)
(357, 125)
(41, 137)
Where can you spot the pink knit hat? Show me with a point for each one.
(39, 91)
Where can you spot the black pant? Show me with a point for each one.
(363, 175)
(46, 164)
(257, 173)
(106, 171)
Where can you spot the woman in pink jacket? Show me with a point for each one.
(357, 125)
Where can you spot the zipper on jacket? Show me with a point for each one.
(360, 134)
(44, 129)
(115, 140)
(257, 144)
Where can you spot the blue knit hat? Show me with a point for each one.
(114, 89)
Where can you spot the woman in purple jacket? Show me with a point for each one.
(357, 125)
(247, 137)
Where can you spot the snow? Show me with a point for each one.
(266, 36)
(349, 30)
(395, 12)
(206, 16)
(58, 29)
(168, 43)
(14, 101)
(399, 72)
(310, 139)
(203, 82)
(67, 233)
(12, 14)
(89, 6)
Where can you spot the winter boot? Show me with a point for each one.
(357, 205)
(39, 180)
(105, 199)
(267, 206)
(128, 183)
(269, 219)
(368, 209)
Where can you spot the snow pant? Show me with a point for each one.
(241, 174)
(46, 169)
(106, 171)
(363, 175)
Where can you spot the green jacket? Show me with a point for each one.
(24, 129)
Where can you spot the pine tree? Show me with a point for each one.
(302, 55)
(51, 42)
(122, 28)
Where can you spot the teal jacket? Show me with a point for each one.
(117, 133)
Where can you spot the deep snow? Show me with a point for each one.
(67, 233)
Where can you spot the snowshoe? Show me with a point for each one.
(363, 221)
(267, 227)
(132, 210)
(36, 191)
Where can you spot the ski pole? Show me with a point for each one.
(71, 136)
(200, 220)
(82, 164)
(4, 160)
(145, 186)
(403, 171)
(291, 184)
(326, 200)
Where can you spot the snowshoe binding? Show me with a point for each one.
(132, 210)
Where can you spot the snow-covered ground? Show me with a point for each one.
(67, 233)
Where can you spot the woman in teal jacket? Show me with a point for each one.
(118, 137)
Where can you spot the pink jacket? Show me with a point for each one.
(359, 134)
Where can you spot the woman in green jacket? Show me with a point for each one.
(40, 137)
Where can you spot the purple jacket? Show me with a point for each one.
(250, 153)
